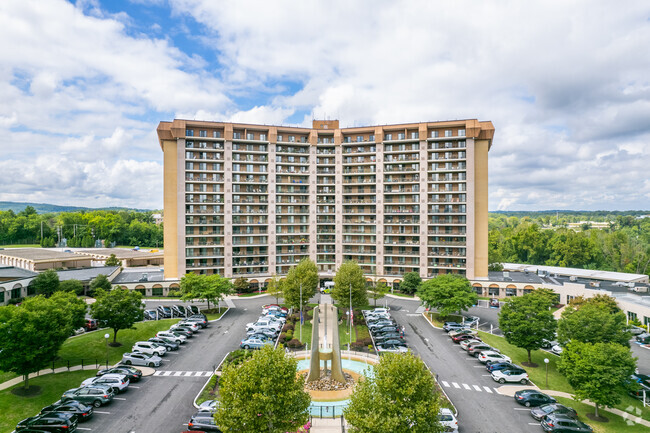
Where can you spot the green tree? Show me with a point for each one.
(208, 288)
(241, 285)
(348, 278)
(31, 335)
(72, 286)
(263, 394)
(117, 309)
(527, 320)
(275, 288)
(597, 371)
(448, 293)
(400, 397)
(112, 261)
(75, 308)
(411, 282)
(378, 291)
(302, 278)
(594, 320)
(46, 282)
(100, 282)
(192, 286)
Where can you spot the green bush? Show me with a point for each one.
(174, 293)
(238, 356)
(283, 337)
(14, 301)
(294, 344)
(288, 327)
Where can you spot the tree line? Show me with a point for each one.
(80, 229)
(624, 246)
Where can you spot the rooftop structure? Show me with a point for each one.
(40, 259)
(128, 257)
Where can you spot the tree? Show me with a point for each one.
(348, 278)
(597, 371)
(75, 308)
(379, 291)
(275, 288)
(526, 321)
(241, 285)
(411, 282)
(72, 286)
(263, 394)
(31, 335)
(593, 320)
(100, 282)
(448, 293)
(112, 261)
(208, 288)
(117, 309)
(400, 397)
(46, 282)
(302, 278)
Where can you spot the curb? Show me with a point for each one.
(209, 379)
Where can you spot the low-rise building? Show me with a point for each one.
(129, 258)
(41, 259)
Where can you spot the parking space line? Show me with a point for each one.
(530, 423)
(123, 399)
(453, 383)
(137, 387)
(488, 390)
(102, 412)
(484, 375)
(476, 387)
(515, 408)
(167, 373)
(466, 386)
(446, 384)
(89, 429)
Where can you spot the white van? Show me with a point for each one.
(327, 287)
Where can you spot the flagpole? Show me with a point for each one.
(350, 315)
(301, 312)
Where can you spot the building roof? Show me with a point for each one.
(14, 272)
(120, 253)
(86, 274)
(140, 276)
(579, 273)
(40, 254)
(515, 277)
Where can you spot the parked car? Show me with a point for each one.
(132, 373)
(453, 326)
(164, 311)
(193, 326)
(490, 356)
(179, 310)
(557, 349)
(209, 406)
(193, 309)
(264, 324)
(276, 313)
(169, 345)
(499, 366)
(202, 421)
(643, 338)
(75, 407)
(463, 337)
(471, 320)
(494, 302)
(260, 336)
(643, 379)
(254, 343)
(270, 333)
(465, 344)
(464, 331)
(90, 325)
(562, 423)
(96, 395)
(150, 315)
(117, 382)
(136, 358)
(149, 348)
(640, 392)
(389, 336)
(510, 375)
(55, 422)
(203, 323)
(180, 339)
(381, 324)
(392, 342)
(540, 412)
(393, 348)
(448, 420)
(274, 306)
(476, 349)
(637, 330)
(547, 344)
(532, 398)
(385, 330)
(181, 332)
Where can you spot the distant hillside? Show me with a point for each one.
(52, 208)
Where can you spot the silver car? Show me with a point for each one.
(136, 358)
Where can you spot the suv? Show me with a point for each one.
(173, 337)
(167, 344)
(563, 423)
(82, 411)
(164, 311)
(453, 326)
(263, 324)
(203, 421)
(448, 421)
(117, 382)
(201, 321)
(96, 395)
(476, 349)
(149, 348)
(138, 358)
(54, 422)
(510, 375)
(132, 373)
(90, 325)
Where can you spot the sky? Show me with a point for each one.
(566, 83)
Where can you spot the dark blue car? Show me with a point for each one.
(499, 366)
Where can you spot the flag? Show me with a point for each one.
(302, 319)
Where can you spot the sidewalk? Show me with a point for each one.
(326, 425)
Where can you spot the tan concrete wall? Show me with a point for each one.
(480, 208)
(170, 186)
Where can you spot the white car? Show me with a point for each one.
(510, 375)
(447, 419)
(149, 348)
(466, 343)
(175, 338)
(192, 325)
(557, 349)
(392, 348)
(264, 324)
(118, 382)
(136, 358)
(273, 319)
(492, 356)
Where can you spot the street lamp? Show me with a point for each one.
(546, 361)
(106, 336)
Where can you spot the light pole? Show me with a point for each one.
(546, 362)
(300, 311)
(106, 337)
(351, 316)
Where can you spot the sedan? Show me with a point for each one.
(465, 345)
(132, 373)
(260, 336)
(150, 315)
(254, 343)
(169, 345)
(385, 330)
(452, 334)
(380, 324)
(393, 348)
(557, 349)
(135, 358)
(532, 398)
(82, 411)
(540, 413)
(562, 423)
(51, 422)
(96, 395)
(209, 406)
(510, 375)
(490, 356)
(390, 336)
(499, 366)
(393, 341)
(269, 332)
(463, 337)
(202, 421)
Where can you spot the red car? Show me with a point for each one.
(463, 337)
(91, 325)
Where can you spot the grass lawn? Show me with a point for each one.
(14, 409)
(92, 346)
(616, 423)
(208, 393)
(21, 246)
(538, 375)
(248, 295)
(214, 316)
(403, 295)
(437, 321)
(359, 332)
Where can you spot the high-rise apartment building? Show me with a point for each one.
(253, 200)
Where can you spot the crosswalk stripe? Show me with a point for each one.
(487, 390)
(157, 373)
(167, 373)
(188, 373)
(178, 373)
(455, 385)
(446, 384)
(467, 386)
(476, 387)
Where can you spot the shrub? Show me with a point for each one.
(289, 334)
(357, 344)
(288, 327)
(294, 344)
(238, 356)
(283, 337)
(173, 293)
(14, 301)
(367, 341)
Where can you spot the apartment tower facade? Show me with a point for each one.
(254, 200)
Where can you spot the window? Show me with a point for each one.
(262, 137)
(371, 138)
(415, 134)
(461, 132)
(236, 135)
(447, 132)
(292, 139)
(359, 138)
(203, 133)
(279, 137)
(189, 132)
(250, 136)
(216, 134)
(400, 136)
(389, 136)
(434, 134)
